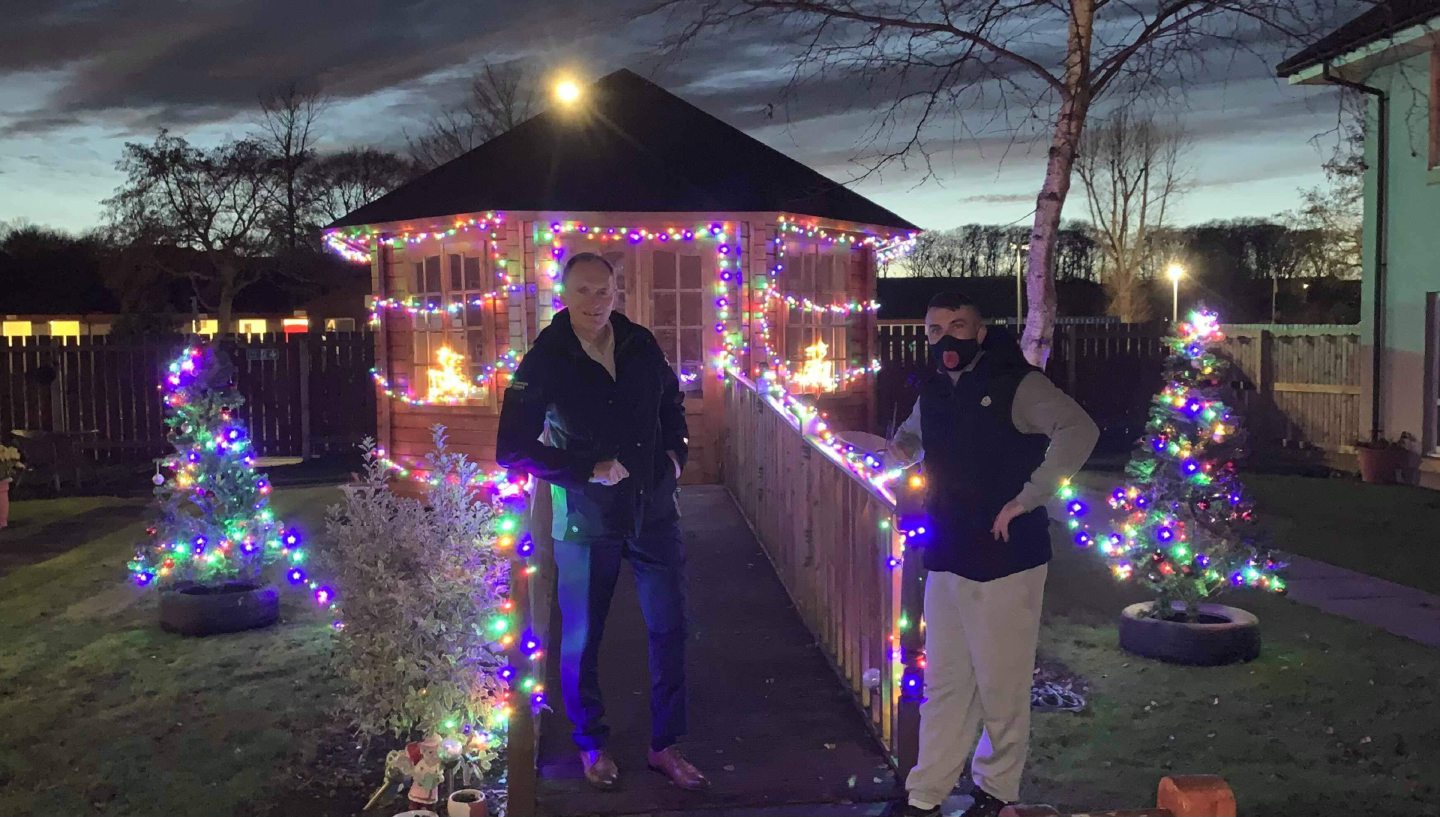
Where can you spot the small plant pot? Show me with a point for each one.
(210, 609)
(1381, 466)
(1223, 635)
(467, 803)
(4, 502)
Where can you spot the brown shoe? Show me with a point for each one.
(600, 770)
(673, 765)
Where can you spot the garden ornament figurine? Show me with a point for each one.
(418, 762)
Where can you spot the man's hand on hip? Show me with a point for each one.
(609, 472)
(1001, 528)
(675, 458)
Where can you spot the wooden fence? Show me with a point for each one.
(305, 394)
(1294, 384)
(831, 540)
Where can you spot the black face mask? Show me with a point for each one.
(952, 353)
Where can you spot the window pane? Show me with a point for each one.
(456, 282)
(420, 276)
(825, 277)
(690, 272)
(666, 336)
(665, 314)
(664, 269)
(474, 316)
(475, 352)
(432, 274)
(617, 260)
(690, 309)
(692, 349)
(472, 274)
(457, 317)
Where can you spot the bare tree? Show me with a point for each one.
(340, 183)
(1332, 214)
(288, 129)
(1129, 166)
(936, 255)
(1053, 58)
(501, 97)
(214, 202)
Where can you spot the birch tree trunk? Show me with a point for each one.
(1040, 273)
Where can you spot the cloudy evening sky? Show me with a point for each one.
(79, 78)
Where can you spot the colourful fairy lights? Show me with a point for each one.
(1183, 525)
(214, 522)
(354, 242)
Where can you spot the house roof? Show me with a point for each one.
(1380, 21)
(634, 148)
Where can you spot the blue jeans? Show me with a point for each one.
(587, 571)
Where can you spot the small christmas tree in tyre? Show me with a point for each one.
(214, 533)
(1187, 530)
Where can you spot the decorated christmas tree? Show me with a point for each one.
(214, 523)
(1187, 527)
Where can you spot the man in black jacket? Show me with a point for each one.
(997, 438)
(595, 410)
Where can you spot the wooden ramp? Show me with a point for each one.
(770, 724)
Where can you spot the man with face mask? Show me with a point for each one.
(997, 438)
(598, 388)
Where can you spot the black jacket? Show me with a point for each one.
(586, 418)
(975, 462)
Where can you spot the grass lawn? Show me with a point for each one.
(1335, 716)
(104, 713)
(1388, 531)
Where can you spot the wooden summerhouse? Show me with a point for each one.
(736, 256)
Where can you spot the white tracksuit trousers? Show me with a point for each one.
(980, 640)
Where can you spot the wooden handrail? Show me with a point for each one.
(832, 540)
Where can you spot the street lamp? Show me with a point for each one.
(1020, 250)
(1175, 272)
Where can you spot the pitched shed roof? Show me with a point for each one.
(632, 147)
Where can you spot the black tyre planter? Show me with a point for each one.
(201, 609)
(1223, 635)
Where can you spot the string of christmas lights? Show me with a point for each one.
(790, 224)
(215, 523)
(803, 303)
(1185, 524)
(479, 734)
(354, 242)
(414, 308)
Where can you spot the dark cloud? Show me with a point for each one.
(999, 198)
(197, 62)
(116, 69)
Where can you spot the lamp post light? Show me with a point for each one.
(1175, 272)
(1020, 249)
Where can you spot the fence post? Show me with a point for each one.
(306, 350)
(1265, 388)
(1070, 355)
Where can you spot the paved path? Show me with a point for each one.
(770, 723)
(1392, 607)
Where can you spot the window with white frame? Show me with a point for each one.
(819, 272)
(678, 312)
(454, 284)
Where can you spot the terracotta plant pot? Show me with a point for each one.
(1223, 635)
(466, 803)
(1381, 466)
(202, 609)
(4, 502)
